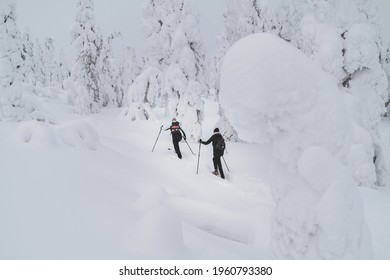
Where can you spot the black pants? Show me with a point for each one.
(177, 148)
(176, 138)
(217, 163)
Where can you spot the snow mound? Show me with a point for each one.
(74, 133)
(79, 134)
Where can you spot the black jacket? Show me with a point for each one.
(213, 139)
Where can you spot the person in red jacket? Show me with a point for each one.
(176, 132)
(218, 150)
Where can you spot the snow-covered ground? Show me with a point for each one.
(90, 188)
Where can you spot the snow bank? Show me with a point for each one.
(272, 93)
(158, 234)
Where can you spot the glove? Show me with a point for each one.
(200, 141)
(185, 138)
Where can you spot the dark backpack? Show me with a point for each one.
(220, 144)
(175, 130)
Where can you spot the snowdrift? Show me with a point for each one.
(73, 133)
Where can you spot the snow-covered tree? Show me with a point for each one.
(315, 144)
(62, 69)
(173, 71)
(343, 37)
(11, 64)
(86, 92)
(109, 72)
(39, 67)
(159, 22)
(144, 94)
(241, 18)
(49, 62)
(185, 77)
(158, 17)
(128, 70)
(118, 71)
(29, 62)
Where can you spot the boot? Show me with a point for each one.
(215, 172)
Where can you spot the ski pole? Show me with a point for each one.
(225, 163)
(189, 147)
(197, 167)
(157, 138)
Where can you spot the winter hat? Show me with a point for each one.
(216, 130)
(174, 119)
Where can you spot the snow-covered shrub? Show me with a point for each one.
(35, 110)
(138, 111)
(272, 93)
(80, 98)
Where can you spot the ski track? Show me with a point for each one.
(210, 215)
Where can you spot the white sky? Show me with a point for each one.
(53, 18)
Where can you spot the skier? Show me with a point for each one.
(218, 149)
(176, 132)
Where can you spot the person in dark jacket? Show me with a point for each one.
(217, 153)
(176, 132)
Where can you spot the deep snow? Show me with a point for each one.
(115, 199)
